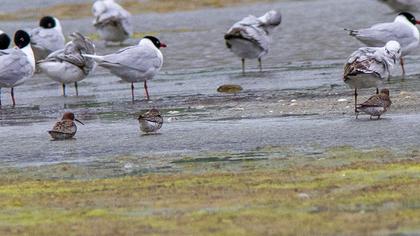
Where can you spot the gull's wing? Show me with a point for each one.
(14, 66)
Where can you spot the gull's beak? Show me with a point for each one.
(162, 45)
(394, 57)
(79, 121)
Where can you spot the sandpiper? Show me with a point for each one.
(402, 30)
(368, 66)
(376, 105)
(65, 128)
(250, 37)
(150, 121)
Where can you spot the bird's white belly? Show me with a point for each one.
(111, 32)
(245, 49)
(364, 81)
(148, 127)
(62, 72)
(132, 76)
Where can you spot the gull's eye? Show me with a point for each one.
(399, 50)
(387, 52)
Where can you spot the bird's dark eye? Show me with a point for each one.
(386, 50)
(399, 50)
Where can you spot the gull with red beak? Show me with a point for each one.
(65, 128)
(137, 63)
(402, 30)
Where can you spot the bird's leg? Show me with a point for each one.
(402, 66)
(377, 91)
(77, 89)
(355, 101)
(0, 97)
(12, 93)
(260, 64)
(64, 89)
(145, 89)
(379, 117)
(370, 118)
(243, 65)
(132, 92)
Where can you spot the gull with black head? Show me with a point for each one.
(47, 38)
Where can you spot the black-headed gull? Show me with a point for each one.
(402, 30)
(137, 63)
(16, 64)
(376, 105)
(369, 66)
(68, 65)
(112, 22)
(250, 37)
(4, 40)
(47, 38)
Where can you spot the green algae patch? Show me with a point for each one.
(340, 191)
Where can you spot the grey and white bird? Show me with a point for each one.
(376, 105)
(112, 22)
(47, 38)
(68, 65)
(402, 30)
(250, 37)
(4, 40)
(16, 64)
(369, 66)
(137, 63)
(150, 121)
(403, 5)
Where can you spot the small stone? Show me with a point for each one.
(342, 100)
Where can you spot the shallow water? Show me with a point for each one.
(305, 61)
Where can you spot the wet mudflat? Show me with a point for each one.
(291, 133)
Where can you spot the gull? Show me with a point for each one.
(376, 105)
(368, 66)
(249, 38)
(402, 30)
(16, 64)
(137, 63)
(65, 128)
(150, 121)
(4, 40)
(68, 65)
(112, 22)
(47, 38)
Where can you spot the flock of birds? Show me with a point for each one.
(43, 49)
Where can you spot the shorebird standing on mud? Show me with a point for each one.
(368, 66)
(250, 37)
(150, 121)
(402, 30)
(65, 128)
(376, 105)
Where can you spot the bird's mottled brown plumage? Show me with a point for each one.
(65, 128)
(376, 105)
(150, 121)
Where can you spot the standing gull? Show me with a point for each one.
(402, 30)
(112, 22)
(137, 63)
(368, 66)
(4, 40)
(68, 65)
(16, 64)
(65, 128)
(47, 38)
(250, 37)
(376, 105)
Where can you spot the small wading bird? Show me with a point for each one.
(65, 128)
(403, 5)
(112, 22)
(250, 37)
(16, 64)
(4, 40)
(368, 66)
(137, 63)
(150, 121)
(376, 105)
(68, 65)
(47, 38)
(402, 30)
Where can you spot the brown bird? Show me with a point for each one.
(376, 105)
(65, 128)
(150, 121)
